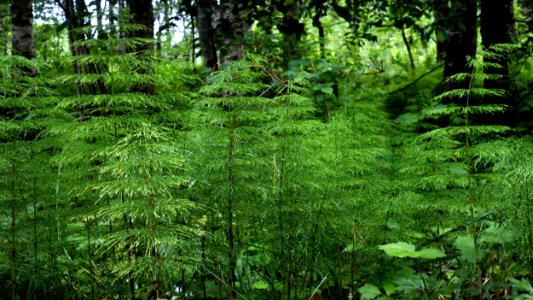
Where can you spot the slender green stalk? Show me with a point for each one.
(13, 232)
(530, 231)
(229, 207)
(90, 254)
(35, 240)
(470, 197)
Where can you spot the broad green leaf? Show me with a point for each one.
(351, 248)
(261, 285)
(409, 118)
(389, 287)
(369, 291)
(400, 249)
(409, 286)
(430, 253)
(466, 246)
(327, 90)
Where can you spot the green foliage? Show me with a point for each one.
(130, 175)
(369, 291)
(461, 164)
(402, 249)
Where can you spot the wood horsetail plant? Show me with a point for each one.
(456, 166)
(26, 109)
(135, 218)
(239, 143)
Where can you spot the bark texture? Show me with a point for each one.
(76, 15)
(206, 34)
(318, 25)
(498, 27)
(142, 13)
(22, 20)
(231, 23)
(441, 13)
(291, 28)
(461, 43)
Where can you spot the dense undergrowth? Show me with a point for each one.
(241, 184)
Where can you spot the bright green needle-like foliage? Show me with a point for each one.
(126, 175)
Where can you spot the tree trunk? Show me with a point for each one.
(291, 28)
(498, 27)
(22, 20)
(232, 23)
(75, 13)
(99, 19)
(320, 11)
(166, 27)
(461, 43)
(142, 13)
(441, 12)
(206, 34)
(321, 37)
(352, 14)
(112, 19)
(230, 236)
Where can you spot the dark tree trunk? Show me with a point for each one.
(498, 27)
(121, 17)
(350, 12)
(232, 24)
(142, 13)
(461, 43)
(291, 28)
(353, 13)
(321, 36)
(187, 8)
(165, 28)
(112, 19)
(441, 11)
(206, 34)
(22, 20)
(99, 19)
(320, 11)
(75, 13)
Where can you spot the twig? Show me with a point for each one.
(61, 5)
(316, 289)
(407, 85)
(415, 81)
(227, 285)
(458, 228)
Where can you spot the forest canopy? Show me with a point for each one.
(269, 149)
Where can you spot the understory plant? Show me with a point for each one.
(136, 178)
(463, 246)
(239, 144)
(122, 171)
(27, 107)
(278, 182)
